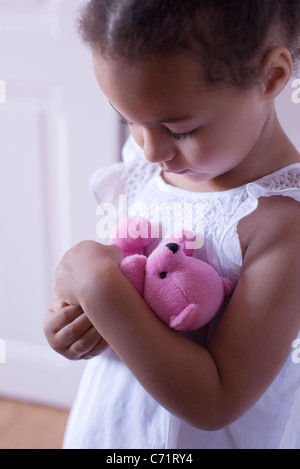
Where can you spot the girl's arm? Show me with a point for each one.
(207, 387)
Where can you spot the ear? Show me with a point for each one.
(278, 69)
(133, 267)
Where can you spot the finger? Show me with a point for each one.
(57, 304)
(58, 315)
(97, 350)
(88, 345)
(64, 316)
(72, 327)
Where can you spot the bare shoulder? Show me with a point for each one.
(253, 339)
(276, 218)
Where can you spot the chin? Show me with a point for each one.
(196, 176)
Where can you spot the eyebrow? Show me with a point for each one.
(160, 121)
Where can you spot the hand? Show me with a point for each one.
(70, 333)
(82, 269)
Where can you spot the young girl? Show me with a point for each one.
(196, 82)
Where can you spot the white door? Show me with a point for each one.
(56, 128)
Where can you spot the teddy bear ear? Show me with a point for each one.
(131, 235)
(187, 240)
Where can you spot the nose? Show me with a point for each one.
(173, 247)
(157, 146)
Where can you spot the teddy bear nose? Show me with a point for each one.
(173, 247)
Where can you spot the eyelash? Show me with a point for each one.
(181, 136)
(174, 135)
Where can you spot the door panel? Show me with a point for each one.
(56, 128)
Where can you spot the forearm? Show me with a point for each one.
(179, 374)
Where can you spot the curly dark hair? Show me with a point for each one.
(231, 37)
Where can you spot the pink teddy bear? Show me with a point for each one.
(184, 292)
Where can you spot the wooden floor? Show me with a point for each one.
(29, 426)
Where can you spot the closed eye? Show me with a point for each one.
(175, 135)
(183, 136)
(123, 120)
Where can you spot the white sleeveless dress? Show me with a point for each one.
(112, 410)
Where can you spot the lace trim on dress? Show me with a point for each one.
(285, 182)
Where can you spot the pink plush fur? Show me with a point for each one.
(184, 292)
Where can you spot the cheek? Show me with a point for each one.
(216, 143)
(211, 152)
(199, 149)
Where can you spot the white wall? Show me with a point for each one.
(56, 128)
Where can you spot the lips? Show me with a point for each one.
(182, 172)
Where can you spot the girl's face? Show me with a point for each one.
(202, 137)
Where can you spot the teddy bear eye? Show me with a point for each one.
(163, 274)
